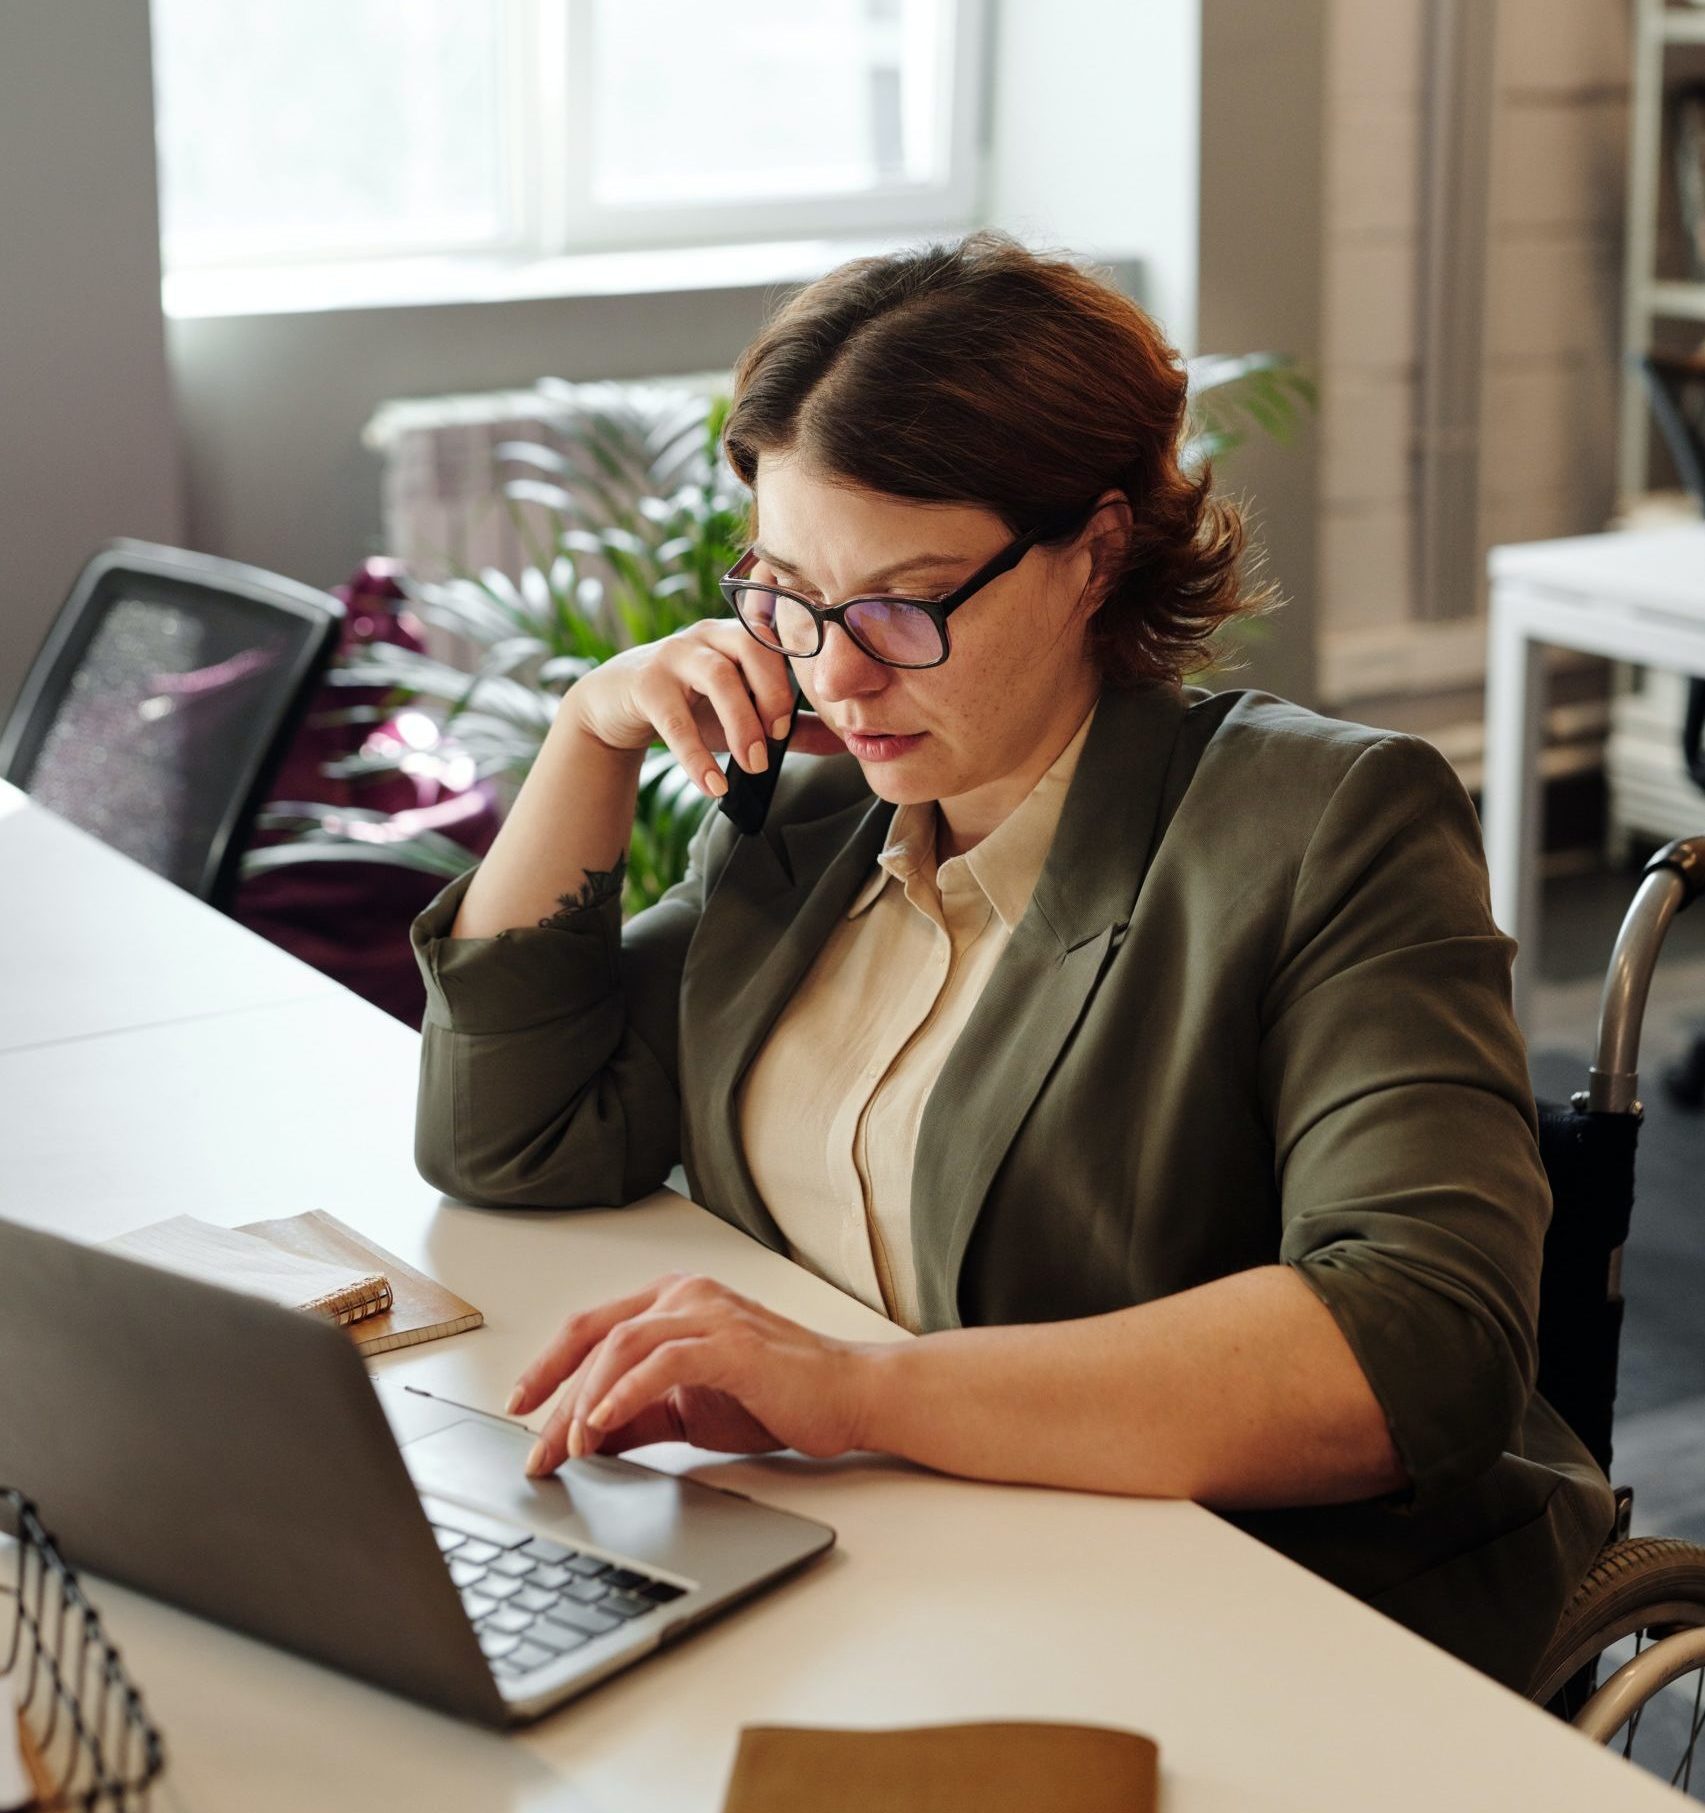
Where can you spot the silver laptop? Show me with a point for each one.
(234, 1458)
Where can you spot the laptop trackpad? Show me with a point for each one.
(603, 1500)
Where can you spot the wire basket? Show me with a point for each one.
(86, 1735)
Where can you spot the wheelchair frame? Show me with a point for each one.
(1650, 1586)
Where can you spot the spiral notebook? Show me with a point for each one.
(421, 1308)
(312, 1262)
(338, 1287)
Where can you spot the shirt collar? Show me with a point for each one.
(1005, 865)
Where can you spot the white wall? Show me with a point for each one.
(1093, 141)
(87, 444)
(1262, 168)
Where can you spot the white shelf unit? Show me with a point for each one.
(1646, 298)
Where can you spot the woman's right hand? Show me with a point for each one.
(706, 688)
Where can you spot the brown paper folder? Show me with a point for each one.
(999, 1767)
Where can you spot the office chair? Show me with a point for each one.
(161, 702)
(1675, 386)
(1644, 1597)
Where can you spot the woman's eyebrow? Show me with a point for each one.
(916, 563)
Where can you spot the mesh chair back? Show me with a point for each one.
(162, 701)
(1589, 1159)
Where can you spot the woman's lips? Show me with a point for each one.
(882, 748)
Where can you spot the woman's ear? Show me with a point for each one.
(1105, 535)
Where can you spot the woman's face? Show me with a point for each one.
(979, 730)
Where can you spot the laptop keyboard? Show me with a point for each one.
(532, 1600)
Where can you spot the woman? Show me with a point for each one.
(1148, 1050)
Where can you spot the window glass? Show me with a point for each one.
(763, 101)
(312, 128)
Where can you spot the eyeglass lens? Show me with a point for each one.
(888, 628)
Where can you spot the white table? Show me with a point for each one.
(945, 1599)
(94, 948)
(1635, 596)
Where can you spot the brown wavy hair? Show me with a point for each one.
(978, 371)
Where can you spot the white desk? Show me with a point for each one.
(79, 957)
(1636, 596)
(945, 1599)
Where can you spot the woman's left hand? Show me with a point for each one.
(689, 1360)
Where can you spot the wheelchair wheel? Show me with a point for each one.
(1627, 1661)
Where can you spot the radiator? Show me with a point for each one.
(442, 506)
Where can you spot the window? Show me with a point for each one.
(293, 131)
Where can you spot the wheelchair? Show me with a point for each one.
(1627, 1659)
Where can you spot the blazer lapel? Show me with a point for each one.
(780, 895)
(1109, 826)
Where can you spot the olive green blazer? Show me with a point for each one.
(1256, 1012)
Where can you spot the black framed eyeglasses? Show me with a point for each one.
(900, 632)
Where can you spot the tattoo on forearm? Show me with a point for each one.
(600, 885)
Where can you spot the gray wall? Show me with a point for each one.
(1263, 160)
(273, 405)
(87, 445)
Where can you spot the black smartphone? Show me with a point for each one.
(747, 801)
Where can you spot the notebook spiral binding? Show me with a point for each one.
(94, 1746)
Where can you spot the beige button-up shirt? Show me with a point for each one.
(831, 1105)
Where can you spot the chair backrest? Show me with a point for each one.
(161, 703)
(1589, 1159)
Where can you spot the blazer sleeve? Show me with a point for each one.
(548, 1063)
(1413, 1197)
